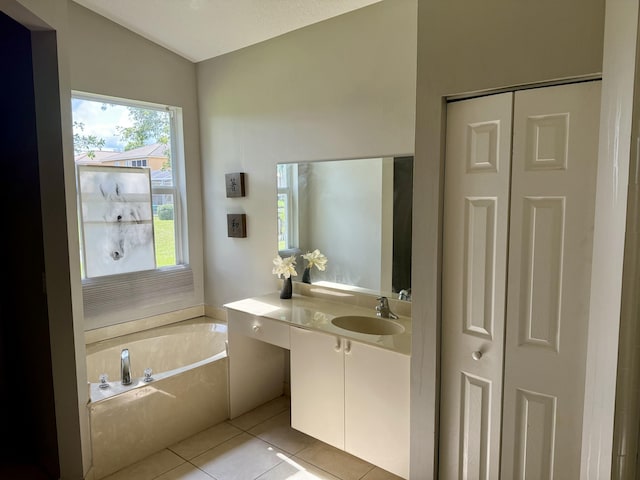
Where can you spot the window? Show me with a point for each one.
(287, 175)
(114, 139)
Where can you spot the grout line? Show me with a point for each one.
(269, 469)
(207, 474)
(319, 467)
(210, 448)
(369, 471)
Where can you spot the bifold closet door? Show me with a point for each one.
(476, 212)
(554, 160)
(518, 223)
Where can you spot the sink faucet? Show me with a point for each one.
(404, 294)
(383, 310)
(125, 367)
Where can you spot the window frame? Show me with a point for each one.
(165, 284)
(290, 191)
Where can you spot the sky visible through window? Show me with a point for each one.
(100, 119)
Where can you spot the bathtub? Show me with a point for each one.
(188, 391)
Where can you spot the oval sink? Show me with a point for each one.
(369, 325)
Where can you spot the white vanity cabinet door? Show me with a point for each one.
(377, 406)
(317, 385)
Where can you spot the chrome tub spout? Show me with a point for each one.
(125, 367)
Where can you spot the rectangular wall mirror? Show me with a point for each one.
(357, 212)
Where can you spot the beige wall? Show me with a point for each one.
(465, 47)
(345, 221)
(343, 88)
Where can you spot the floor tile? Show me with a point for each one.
(296, 469)
(149, 468)
(262, 413)
(243, 457)
(203, 441)
(380, 474)
(186, 471)
(335, 461)
(277, 431)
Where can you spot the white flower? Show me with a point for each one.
(316, 258)
(284, 267)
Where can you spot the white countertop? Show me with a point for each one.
(316, 314)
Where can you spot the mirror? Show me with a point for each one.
(357, 212)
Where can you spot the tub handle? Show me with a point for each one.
(147, 375)
(104, 380)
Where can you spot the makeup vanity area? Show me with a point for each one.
(348, 389)
(345, 367)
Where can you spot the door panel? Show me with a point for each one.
(317, 385)
(477, 172)
(555, 147)
(376, 391)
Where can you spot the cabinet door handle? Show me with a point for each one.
(338, 345)
(347, 347)
(256, 328)
(477, 355)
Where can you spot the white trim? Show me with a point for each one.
(619, 70)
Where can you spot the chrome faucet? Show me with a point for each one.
(125, 367)
(404, 294)
(383, 310)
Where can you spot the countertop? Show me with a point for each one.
(316, 314)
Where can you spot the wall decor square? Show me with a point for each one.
(235, 184)
(236, 225)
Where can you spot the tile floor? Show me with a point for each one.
(259, 445)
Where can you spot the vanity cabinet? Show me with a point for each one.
(353, 396)
(317, 385)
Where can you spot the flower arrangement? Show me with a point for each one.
(316, 258)
(284, 267)
(313, 258)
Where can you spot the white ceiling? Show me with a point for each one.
(202, 29)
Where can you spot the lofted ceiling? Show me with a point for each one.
(202, 29)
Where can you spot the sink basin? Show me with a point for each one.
(370, 325)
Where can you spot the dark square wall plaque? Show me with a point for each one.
(236, 225)
(235, 184)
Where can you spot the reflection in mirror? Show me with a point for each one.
(356, 212)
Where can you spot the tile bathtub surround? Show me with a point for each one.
(131, 426)
(259, 445)
(120, 329)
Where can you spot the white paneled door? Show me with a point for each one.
(477, 175)
(518, 226)
(555, 149)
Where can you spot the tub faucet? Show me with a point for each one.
(383, 310)
(125, 367)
